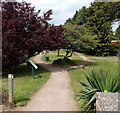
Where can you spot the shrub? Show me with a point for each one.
(64, 61)
(98, 81)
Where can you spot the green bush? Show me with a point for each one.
(64, 61)
(98, 81)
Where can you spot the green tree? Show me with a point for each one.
(117, 34)
(99, 18)
(100, 23)
(80, 16)
(79, 38)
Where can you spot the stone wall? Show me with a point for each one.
(107, 101)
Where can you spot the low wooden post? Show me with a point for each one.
(33, 72)
(10, 88)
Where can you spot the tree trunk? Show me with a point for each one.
(67, 53)
(58, 52)
(71, 54)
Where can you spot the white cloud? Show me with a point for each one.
(62, 9)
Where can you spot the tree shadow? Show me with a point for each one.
(53, 67)
(61, 55)
(36, 77)
(25, 70)
(21, 101)
(77, 61)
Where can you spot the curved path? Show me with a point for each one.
(56, 94)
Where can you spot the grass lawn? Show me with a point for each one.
(78, 73)
(62, 51)
(24, 85)
(89, 56)
(53, 56)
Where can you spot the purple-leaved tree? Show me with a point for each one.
(25, 33)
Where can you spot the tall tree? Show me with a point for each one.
(100, 23)
(80, 17)
(25, 33)
(79, 38)
(117, 34)
(99, 18)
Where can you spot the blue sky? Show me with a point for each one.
(62, 9)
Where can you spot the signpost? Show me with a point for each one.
(34, 66)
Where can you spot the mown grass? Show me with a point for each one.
(98, 56)
(24, 85)
(62, 51)
(53, 56)
(78, 73)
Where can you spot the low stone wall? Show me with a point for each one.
(107, 101)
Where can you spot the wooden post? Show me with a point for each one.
(33, 72)
(10, 87)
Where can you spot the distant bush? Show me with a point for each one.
(64, 61)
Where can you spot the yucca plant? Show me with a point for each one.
(98, 81)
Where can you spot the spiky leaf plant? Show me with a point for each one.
(98, 81)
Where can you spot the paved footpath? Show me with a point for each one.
(55, 95)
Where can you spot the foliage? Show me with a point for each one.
(64, 61)
(26, 34)
(98, 18)
(108, 63)
(80, 16)
(117, 34)
(98, 81)
(100, 23)
(79, 38)
(54, 57)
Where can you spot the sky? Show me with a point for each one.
(62, 9)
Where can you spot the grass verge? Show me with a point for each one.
(53, 56)
(24, 85)
(78, 73)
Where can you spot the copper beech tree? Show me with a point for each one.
(25, 33)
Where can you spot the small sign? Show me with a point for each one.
(33, 64)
